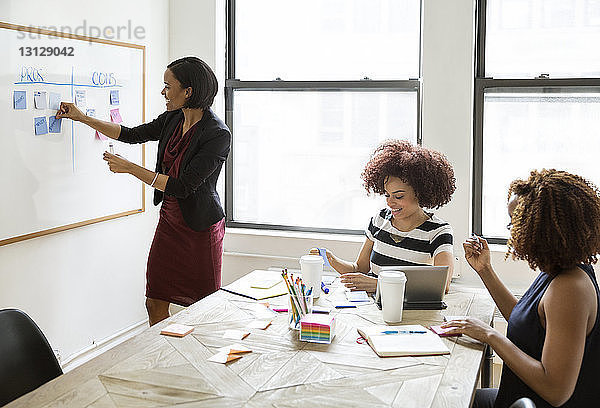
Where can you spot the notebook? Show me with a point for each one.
(403, 343)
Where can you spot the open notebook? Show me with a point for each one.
(410, 340)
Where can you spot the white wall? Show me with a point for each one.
(84, 285)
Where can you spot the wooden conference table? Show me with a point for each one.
(150, 370)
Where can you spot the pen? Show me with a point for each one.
(403, 331)
(344, 306)
(111, 148)
(324, 288)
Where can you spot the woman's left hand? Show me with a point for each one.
(359, 281)
(471, 327)
(117, 164)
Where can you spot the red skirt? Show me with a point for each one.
(184, 265)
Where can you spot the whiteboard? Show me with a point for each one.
(56, 181)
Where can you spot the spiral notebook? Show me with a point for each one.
(409, 340)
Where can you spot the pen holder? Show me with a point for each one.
(298, 307)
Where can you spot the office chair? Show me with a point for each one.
(27, 360)
(523, 403)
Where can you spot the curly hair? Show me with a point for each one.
(428, 172)
(556, 222)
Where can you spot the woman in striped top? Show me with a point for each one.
(411, 178)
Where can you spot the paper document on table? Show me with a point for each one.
(243, 286)
(408, 340)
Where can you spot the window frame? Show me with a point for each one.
(542, 83)
(233, 84)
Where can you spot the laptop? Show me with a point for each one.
(425, 287)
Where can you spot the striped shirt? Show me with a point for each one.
(392, 247)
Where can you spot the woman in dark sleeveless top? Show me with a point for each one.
(551, 352)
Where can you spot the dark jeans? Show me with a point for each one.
(485, 398)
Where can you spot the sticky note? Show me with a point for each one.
(100, 136)
(259, 324)
(323, 254)
(224, 358)
(41, 127)
(39, 99)
(236, 348)
(235, 334)
(91, 112)
(54, 100)
(115, 116)
(54, 124)
(357, 296)
(114, 97)
(176, 330)
(20, 100)
(80, 97)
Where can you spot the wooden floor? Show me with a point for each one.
(151, 370)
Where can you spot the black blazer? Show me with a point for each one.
(195, 188)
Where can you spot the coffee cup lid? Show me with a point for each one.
(392, 276)
(316, 259)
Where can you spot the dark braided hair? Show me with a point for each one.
(428, 172)
(556, 222)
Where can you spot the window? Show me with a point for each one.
(312, 88)
(537, 98)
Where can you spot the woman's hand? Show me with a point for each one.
(68, 110)
(477, 254)
(471, 327)
(117, 164)
(359, 281)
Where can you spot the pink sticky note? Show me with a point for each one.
(100, 136)
(115, 116)
(443, 331)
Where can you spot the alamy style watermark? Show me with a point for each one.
(109, 32)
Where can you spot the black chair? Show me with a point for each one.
(26, 358)
(523, 403)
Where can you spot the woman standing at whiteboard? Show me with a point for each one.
(184, 264)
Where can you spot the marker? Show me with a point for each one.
(324, 288)
(403, 332)
(280, 309)
(344, 306)
(111, 148)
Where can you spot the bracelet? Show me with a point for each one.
(154, 180)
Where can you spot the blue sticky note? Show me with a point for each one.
(54, 101)
(41, 128)
(323, 254)
(54, 124)
(20, 100)
(114, 97)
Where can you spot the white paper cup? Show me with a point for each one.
(391, 286)
(312, 271)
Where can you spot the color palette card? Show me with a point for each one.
(177, 330)
(317, 328)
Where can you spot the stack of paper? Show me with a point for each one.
(317, 328)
